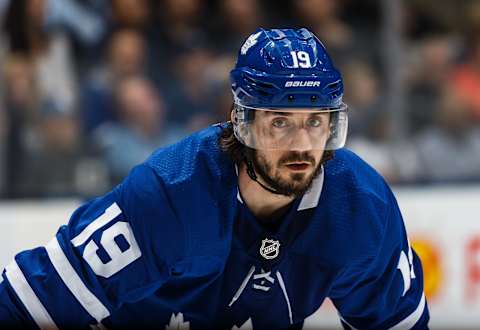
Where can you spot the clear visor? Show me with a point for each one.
(291, 129)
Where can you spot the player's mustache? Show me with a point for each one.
(297, 157)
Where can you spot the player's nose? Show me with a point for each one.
(301, 140)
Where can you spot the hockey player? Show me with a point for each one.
(250, 223)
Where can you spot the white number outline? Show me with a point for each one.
(118, 259)
(405, 265)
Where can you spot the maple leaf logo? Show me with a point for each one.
(177, 323)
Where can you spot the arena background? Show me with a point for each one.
(90, 88)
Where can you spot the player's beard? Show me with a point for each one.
(297, 184)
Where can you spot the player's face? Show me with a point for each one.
(291, 172)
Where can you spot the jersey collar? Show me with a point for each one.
(310, 198)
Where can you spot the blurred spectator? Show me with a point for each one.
(133, 14)
(466, 76)
(41, 143)
(3, 138)
(322, 17)
(49, 53)
(20, 100)
(364, 98)
(449, 149)
(126, 53)
(3, 151)
(50, 169)
(370, 128)
(125, 56)
(191, 91)
(180, 26)
(429, 67)
(185, 47)
(86, 25)
(141, 126)
(423, 18)
(396, 161)
(238, 20)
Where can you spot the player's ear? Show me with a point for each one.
(233, 117)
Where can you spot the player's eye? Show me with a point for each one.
(280, 122)
(314, 122)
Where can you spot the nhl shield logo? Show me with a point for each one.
(270, 248)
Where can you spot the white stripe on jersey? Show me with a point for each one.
(28, 297)
(67, 273)
(111, 213)
(413, 318)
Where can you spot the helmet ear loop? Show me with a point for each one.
(240, 119)
(238, 129)
(332, 129)
(329, 154)
(233, 115)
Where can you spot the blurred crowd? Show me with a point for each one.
(89, 88)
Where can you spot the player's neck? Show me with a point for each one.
(262, 203)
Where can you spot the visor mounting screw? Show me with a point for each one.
(313, 98)
(290, 98)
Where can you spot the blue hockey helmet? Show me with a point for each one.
(287, 71)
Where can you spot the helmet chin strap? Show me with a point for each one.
(251, 173)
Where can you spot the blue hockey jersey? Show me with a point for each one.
(175, 247)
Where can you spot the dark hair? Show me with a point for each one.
(14, 26)
(239, 152)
